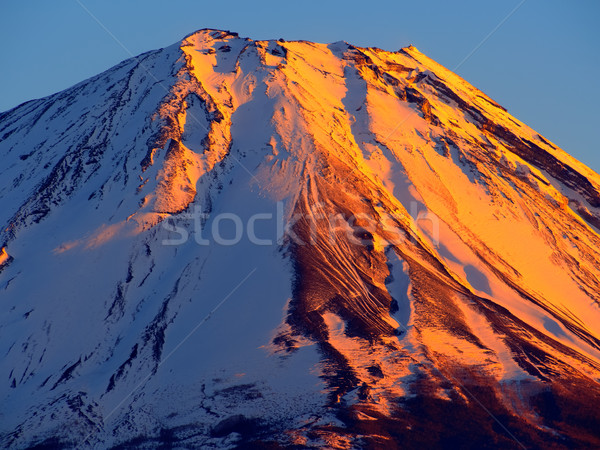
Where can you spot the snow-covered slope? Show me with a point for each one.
(231, 241)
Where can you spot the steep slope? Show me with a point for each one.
(231, 241)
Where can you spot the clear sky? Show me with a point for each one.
(542, 64)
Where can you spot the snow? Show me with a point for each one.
(101, 306)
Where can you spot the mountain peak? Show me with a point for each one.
(213, 33)
(204, 235)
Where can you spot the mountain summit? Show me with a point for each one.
(231, 242)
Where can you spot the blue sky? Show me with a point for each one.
(542, 64)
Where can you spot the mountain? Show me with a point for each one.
(269, 244)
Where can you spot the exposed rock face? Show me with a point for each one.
(4, 257)
(231, 242)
